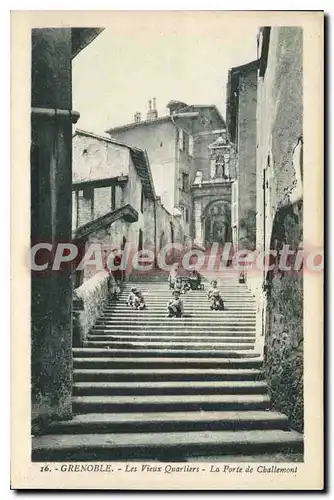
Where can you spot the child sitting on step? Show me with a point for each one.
(173, 275)
(175, 306)
(136, 299)
(181, 286)
(217, 303)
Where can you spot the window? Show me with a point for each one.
(185, 181)
(113, 198)
(184, 142)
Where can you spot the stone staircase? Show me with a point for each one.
(147, 387)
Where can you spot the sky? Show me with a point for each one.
(169, 56)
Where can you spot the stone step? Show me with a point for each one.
(231, 285)
(184, 321)
(173, 339)
(170, 446)
(165, 374)
(105, 333)
(171, 325)
(128, 404)
(168, 350)
(189, 307)
(190, 294)
(156, 297)
(97, 423)
(166, 362)
(207, 315)
(164, 388)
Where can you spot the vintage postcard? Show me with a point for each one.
(167, 250)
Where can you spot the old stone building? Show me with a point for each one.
(187, 173)
(114, 201)
(241, 126)
(280, 211)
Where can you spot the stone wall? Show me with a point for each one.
(88, 302)
(284, 323)
(280, 126)
(247, 160)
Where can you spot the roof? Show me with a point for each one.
(186, 109)
(81, 37)
(139, 158)
(131, 125)
(195, 107)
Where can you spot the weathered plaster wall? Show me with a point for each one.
(159, 140)
(112, 237)
(95, 159)
(247, 160)
(284, 322)
(280, 125)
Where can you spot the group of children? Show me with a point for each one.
(175, 305)
(136, 299)
(179, 286)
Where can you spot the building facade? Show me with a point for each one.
(114, 201)
(181, 160)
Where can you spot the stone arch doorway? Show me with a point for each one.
(217, 223)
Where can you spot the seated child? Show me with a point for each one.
(214, 297)
(194, 280)
(186, 286)
(217, 303)
(180, 285)
(136, 299)
(173, 275)
(175, 306)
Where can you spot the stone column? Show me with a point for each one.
(198, 223)
(51, 219)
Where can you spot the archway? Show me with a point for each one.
(217, 223)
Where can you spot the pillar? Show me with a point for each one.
(51, 218)
(198, 223)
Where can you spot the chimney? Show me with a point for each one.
(152, 113)
(137, 117)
